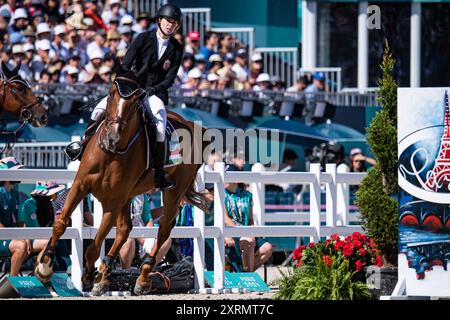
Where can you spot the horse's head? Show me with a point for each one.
(124, 101)
(16, 97)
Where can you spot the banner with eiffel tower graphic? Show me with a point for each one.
(424, 190)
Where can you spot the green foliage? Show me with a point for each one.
(379, 214)
(322, 282)
(375, 197)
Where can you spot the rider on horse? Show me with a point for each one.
(155, 56)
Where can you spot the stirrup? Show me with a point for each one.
(74, 150)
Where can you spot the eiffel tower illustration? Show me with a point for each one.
(439, 177)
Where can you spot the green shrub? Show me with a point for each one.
(376, 197)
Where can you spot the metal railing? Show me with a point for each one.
(280, 62)
(39, 155)
(196, 19)
(336, 214)
(332, 77)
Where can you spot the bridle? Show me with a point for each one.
(26, 112)
(119, 120)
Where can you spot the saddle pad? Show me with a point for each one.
(173, 146)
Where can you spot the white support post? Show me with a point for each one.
(98, 215)
(331, 195)
(314, 201)
(415, 53)
(309, 33)
(219, 243)
(343, 199)
(258, 192)
(363, 47)
(199, 242)
(77, 248)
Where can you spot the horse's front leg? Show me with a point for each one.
(44, 267)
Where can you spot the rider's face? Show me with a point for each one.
(168, 25)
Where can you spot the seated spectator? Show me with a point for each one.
(187, 63)
(256, 67)
(318, 84)
(240, 66)
(213, 80)
(57, 44)
(200, 63)
(192, 42)
(215, 63)
(113, 40)
(98, 44)
(300, 85)
(38, 211)
(141, 215)
(245, 253)
(194, 78)
(111, 11)
(42, 59)
(143, 23)
(225, 44)
(179, 36)
(211, 42)
(114, 24)
(358, 161)
(105, 73)
(263, 82)
(43, 31)
(91, 12)
(30, 35)
(18, 250)
(72, 75)
(93, 67)
(20, 21)
(126, 37)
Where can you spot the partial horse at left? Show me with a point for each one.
(17, 98)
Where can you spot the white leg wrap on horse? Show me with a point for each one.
(99, 109)
(158, 110)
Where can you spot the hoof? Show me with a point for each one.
(43, 272)
(141, 290)
(99, 289)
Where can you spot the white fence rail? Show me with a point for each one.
(196, 19)
(40, 154)
(336, 216)
(280, 62)
(332, 77)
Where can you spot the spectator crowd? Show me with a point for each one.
(76, 42)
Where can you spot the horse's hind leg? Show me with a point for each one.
(124, 227)
(171, 205)
(44, 269)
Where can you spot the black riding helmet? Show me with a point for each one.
(169, 11)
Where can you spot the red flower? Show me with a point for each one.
(378, 261)
(297, 254)
(335, 237)
(311, 244)
(358, 265)
(327, 260)
(347, 250)
(338, 245)
(357, 243)
(299, 262)
(362, 252)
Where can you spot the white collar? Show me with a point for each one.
(161, 39)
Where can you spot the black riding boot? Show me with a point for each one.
(163, 180)
(75, 149)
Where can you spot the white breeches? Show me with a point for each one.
(152, 104)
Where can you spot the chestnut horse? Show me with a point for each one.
(113, 169)
(17, 98)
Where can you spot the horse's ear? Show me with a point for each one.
(118, 68)
(16, 69)
(8, 74)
